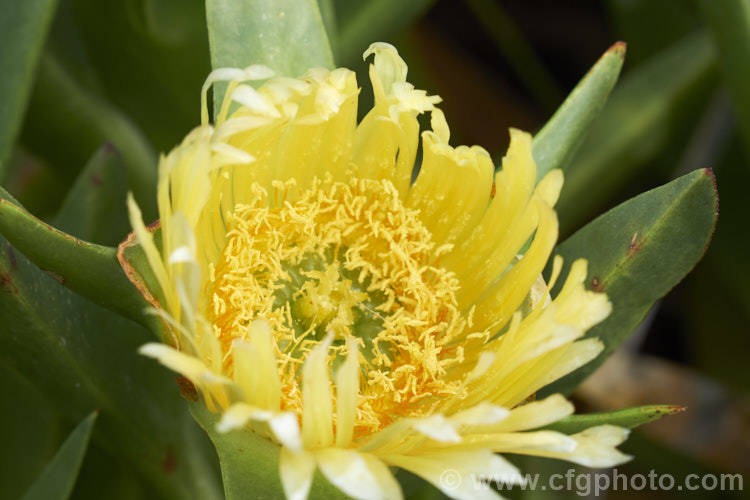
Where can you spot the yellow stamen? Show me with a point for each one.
(347, 259)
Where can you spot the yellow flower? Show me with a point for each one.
(319, 297)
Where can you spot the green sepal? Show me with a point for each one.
(637, 252)
(634, 125)
(94, 208)
(630, 418)
(555, 145)
(288, 36)
(23, 29)
(90, 270)
(250, 462)
(59, 476)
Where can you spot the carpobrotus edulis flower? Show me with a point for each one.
(361, 320)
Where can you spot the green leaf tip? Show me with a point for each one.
(58, 478)
(557, 142)
(90, 270)
(629, 418)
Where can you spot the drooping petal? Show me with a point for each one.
(460, 474)
(296, 471)
(595, 447)
(358, 475)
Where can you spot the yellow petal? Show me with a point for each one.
(296, 471)
(358, 475)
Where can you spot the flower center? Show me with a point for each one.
(347, 260)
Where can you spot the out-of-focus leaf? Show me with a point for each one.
(328, 13)
(82, 357)
(66, 124)
(288, 36)
(628, 418)
(58, 478)
(637, 252)
(517, 51)
(555, 145)
(250, 462)
(633, 126)
(22, 458)
(94, 209)
(649, 26)
(5, 195)
(730, 25)
(362, 22)
(23, 29)
(149, 57)
(89, 269)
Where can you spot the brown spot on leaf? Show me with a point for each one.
(6, 283)
(169, 465)
(12, 257)
(96, 180)
(493, 190)
(57, 277)
(635, 246)
(596, 284)
(187, 389)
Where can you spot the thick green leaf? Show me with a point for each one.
(637, 252)
(362, 22)
(82, 357)
(250, 463)
(94, 209)
(58, 478)
(67, 123)
(23, 29)
(288, 36)
(730, 25)
(634, 125)
(88, 269)
(629, 418)
(555, 145)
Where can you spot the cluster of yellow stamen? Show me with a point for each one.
(347, 261)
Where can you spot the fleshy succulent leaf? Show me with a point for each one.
(94, 208)
(92, 354)
(88, 269)
(629, 418)
(637, 252)
(555, 145)
(57, 479)
(23, 29)
(288, 36)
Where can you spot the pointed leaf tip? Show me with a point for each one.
(57, 479)
(628, 418)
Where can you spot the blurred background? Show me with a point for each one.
(121, 80)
